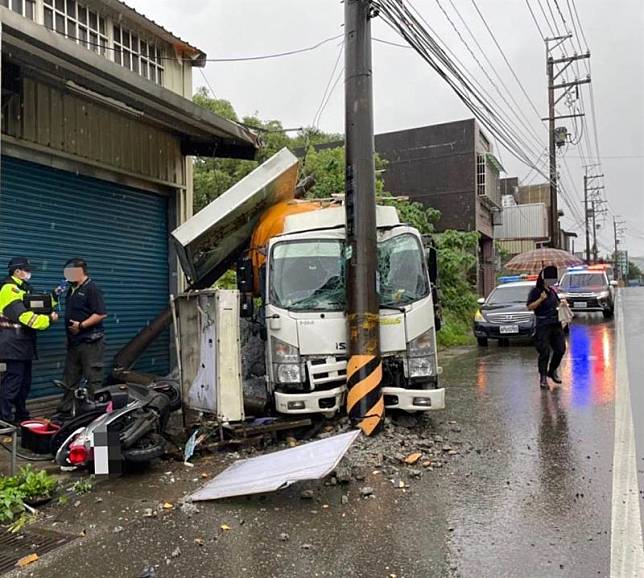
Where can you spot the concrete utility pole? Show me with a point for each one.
(587, 212)
(618, 229)
(552, 117)
(365, 403)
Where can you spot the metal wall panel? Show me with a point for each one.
(523, 222)
(51, 215)
(516, 247)
(72, 124)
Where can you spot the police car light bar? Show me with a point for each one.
(597, 267)
(516, 278)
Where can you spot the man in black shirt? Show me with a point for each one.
(84, 315)
(549, 336)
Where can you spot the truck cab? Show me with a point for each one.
(306, 322)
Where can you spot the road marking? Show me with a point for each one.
(626, 546)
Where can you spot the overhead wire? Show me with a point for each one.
(402, 20)
(318, 112)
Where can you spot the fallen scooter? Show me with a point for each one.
(139, 424)
(86, 408)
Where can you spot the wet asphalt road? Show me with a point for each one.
(529, 494)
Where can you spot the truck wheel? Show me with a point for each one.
(482, 341)
(146, 450)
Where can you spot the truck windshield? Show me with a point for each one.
(310, 275)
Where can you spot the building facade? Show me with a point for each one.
(450, 167)
(98, 131)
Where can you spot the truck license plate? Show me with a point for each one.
(505, 329)
(580, 305)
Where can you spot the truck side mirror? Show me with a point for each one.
(432, 265)
(246, 305)
(245, 275)
(481, 300)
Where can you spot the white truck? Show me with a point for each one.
(300, 283)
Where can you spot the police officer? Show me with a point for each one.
(84, 315)
(18, 329)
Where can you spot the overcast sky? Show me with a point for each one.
(409, 94)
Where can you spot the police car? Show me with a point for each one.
(504, 315)
(589, 288)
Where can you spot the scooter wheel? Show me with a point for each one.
(147, 449)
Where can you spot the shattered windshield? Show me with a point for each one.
(310, 275)
(401, 271)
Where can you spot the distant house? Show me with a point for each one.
(98, 128)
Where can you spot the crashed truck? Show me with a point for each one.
(290, 257)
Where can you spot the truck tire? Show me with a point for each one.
(146, 450)
(482, 341)
(608, 313)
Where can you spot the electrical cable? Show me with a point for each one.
(88, 43)
(514, 74)
(328, 85)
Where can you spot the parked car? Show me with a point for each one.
(504, 315)
(588, 288)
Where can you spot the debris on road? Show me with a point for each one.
(366, 491)
(270, 472)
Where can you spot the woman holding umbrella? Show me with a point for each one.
(549, 336)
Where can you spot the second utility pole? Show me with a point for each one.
(365, 403)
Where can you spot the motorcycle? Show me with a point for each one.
(139, 424)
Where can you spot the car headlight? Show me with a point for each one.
(478, 316)
(283, 352)
(604, 295)
(289, 373)
(423, 346)
(420, 366)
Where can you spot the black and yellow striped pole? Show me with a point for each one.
(365, 403)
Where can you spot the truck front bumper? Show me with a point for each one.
(326, 402)
(414, 399)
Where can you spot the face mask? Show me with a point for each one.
(549, 282)
(73, 274)
(26, 276)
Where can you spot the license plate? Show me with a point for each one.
(505, 329)
(580, 305)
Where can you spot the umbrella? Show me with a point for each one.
(534, 261)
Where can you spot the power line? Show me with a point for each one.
(88, 43)
(536, 22)
(525, 92)
(318, 112)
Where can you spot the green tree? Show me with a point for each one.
(634, 272)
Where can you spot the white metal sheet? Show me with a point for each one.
(272, 472)
(207, 240)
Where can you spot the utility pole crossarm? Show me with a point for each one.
(573, 83)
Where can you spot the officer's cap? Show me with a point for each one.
(19, 263)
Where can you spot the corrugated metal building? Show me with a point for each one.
(97, 133)
(523, 222)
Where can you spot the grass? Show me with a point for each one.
(456, 330)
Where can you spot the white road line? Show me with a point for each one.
(626, 546)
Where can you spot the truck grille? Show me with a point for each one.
(514, 317)
(327, 373)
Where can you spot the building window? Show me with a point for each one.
(25, 8)
(481, 171)
(137, 54)
(77, 22)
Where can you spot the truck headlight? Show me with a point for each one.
(283, 352)
(423, 346)
(478, 316)
(604, 295)
(420, 366)
(289, 373)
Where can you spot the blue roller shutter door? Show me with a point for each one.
(51, 215)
